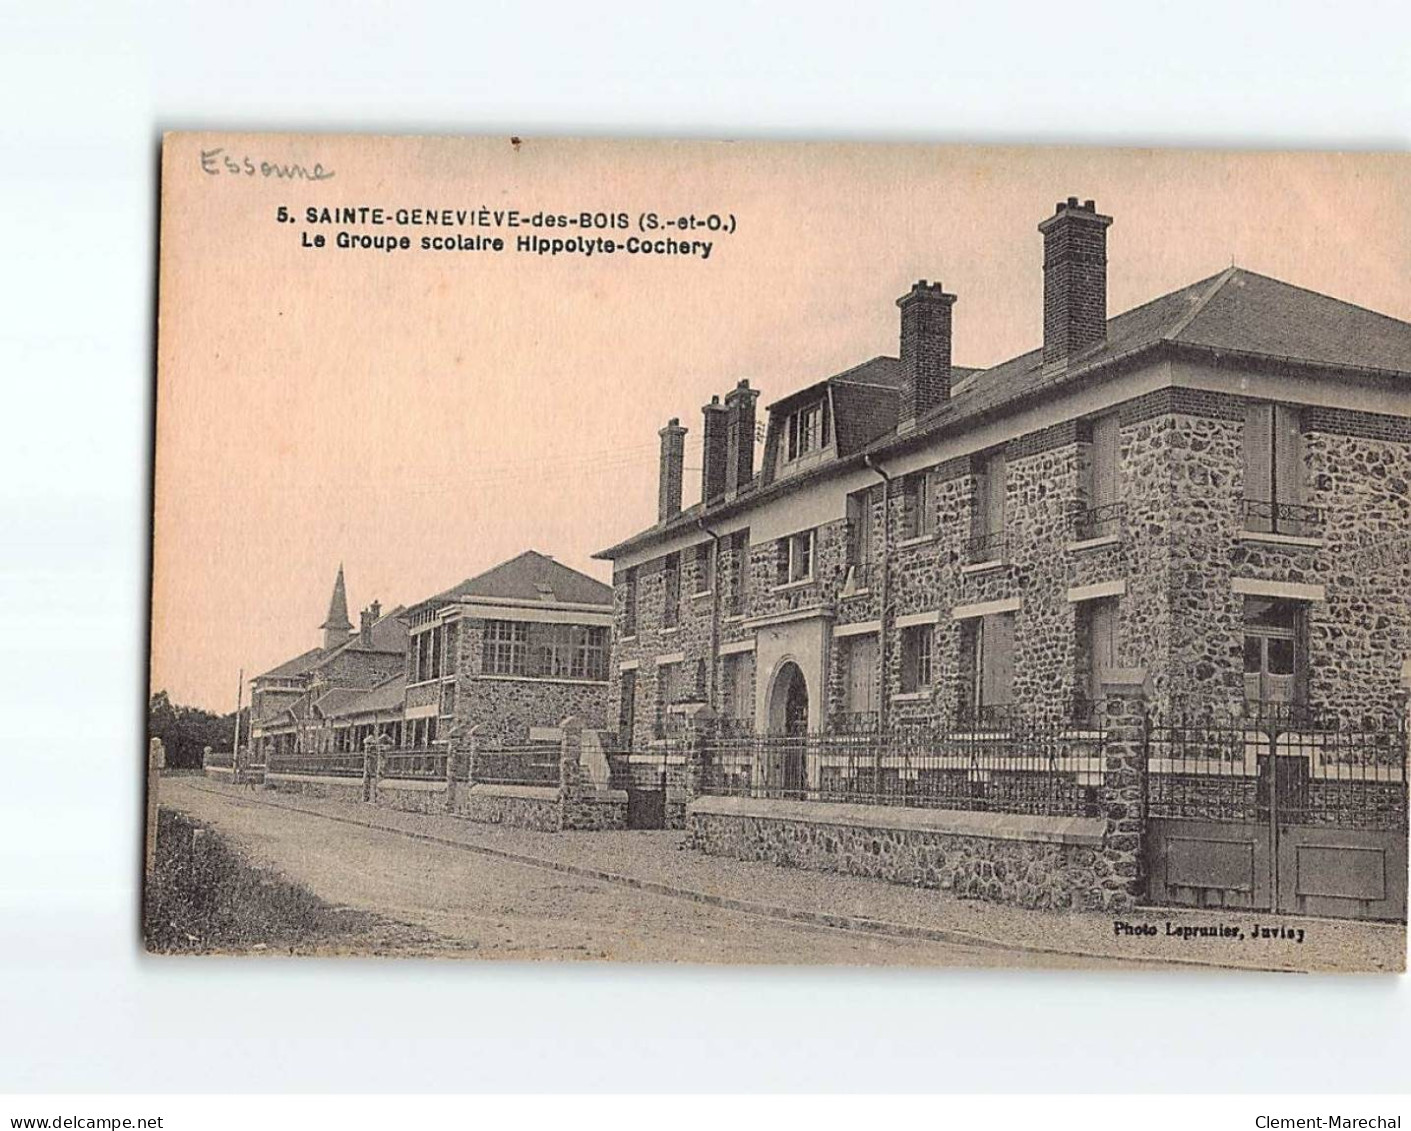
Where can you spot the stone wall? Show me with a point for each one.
(1030, 862)
(338, 789)
(412, 796)
(520, 806)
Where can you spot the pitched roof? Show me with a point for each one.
(299, 665)
(531, 577)
(386, 697)
(389, 634)
(1236, 312)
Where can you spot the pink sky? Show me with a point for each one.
(420, 417)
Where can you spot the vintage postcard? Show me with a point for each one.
(781, 553)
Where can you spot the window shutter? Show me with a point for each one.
(862, 674)
(1258, 462)
(1102, 636)
(1104, 462)
(1288, 455)
(995, 481)
(998, 652)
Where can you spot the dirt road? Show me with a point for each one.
(483, 907)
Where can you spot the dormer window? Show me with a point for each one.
(807, 430)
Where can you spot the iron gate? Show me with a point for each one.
(1278, 814)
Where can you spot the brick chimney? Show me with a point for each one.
(925, 351)
(673, 455)
(739, 442)
(714, 450)
(1075, 279)
(367, 618)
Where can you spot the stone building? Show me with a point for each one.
(1177, 488)
(291, 705)
(511, 652)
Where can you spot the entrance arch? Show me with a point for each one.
(788, 701)
(785, 770)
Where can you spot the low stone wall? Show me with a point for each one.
(520, 806)
(1035, 862)
(220, 773)
(412, 796)
(595, 810)
(310, 785)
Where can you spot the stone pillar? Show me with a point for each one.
(699, 730)
(205, 757)
(369, 766)
(1122, 796)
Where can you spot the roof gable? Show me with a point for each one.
(531, 577)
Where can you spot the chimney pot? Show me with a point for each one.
(739, 435)
(715, 453)
(673, 453)
(925, 350)
(1075, 280)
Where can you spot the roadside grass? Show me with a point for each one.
(206, 897)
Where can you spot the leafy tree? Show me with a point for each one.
(186, 731)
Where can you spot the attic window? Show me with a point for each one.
(546, 592)
(808, 429)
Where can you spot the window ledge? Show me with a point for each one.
(854, 594)
(1093, 543)
(789, 585)
(1270, 538)
(734, 618)
(918, 540)
(696, 596)
(668, 630)
(911, 696)
(628, 639)
(982, 567)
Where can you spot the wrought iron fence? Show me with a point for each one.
(1099, 522)
(1021, 766)
(327, 764)
(532, 764)
(415, 765)
(1304, 768)
(1265, 516)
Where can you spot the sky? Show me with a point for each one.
(420, 416)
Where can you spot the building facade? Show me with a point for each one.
(1182, 488)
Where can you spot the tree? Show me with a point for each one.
(186, 731)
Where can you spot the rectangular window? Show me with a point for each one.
(1097, 647)
(987, 660)
(988, 508)
(1101, 508)
(739, 571)
(916, 657)
(671, 591)
(627, 709)
(794, 557)
(705, 567)
(1273, 470)
(859, 515)
(861, 693)
(1275, 653)
(738, 696)
(629, 603)
(919, 506)
(545, 651)
(807, 430)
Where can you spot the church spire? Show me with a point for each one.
(337, 627)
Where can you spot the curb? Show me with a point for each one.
(854, 923)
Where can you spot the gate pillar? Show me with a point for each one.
(1122, 796)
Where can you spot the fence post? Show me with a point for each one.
(381, 769)
(156, 761)
(1122, 796)
(369, 765)
(205, 758)
(570, 768)
(700, 726)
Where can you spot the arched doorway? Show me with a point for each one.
(788, 722)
